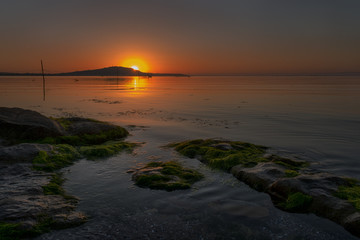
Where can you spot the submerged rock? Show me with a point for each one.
(21, 124)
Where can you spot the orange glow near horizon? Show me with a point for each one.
(136, 64)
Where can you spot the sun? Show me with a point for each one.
(135, 63)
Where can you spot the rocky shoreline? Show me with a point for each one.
(33, 149)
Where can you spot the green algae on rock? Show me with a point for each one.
(297, 202)
(291, 173)
(288, 163)
(350, 192)
(16, 231)
(63, 155)
(292, 185)
(83, 131)
(45, 223)
(106, 150)
(23, 134)
(221, 154)
(167, 176)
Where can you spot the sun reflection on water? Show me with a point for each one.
(137, 85)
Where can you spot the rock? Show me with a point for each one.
(222, 146)
(17, 123)
(352, 223)
(24, 152)
(81, 126)
(292, 185)
(146, 171)
(167, 176)
(22, 198)
(68, 220)
(270, 177)
(259, 177)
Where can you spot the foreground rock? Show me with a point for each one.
(291, 184)
(321, 187)
(19, 124)
(32, 150)
(24, 152)
(24, 205)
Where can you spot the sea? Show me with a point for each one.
(313, 118)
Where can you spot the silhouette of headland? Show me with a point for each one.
(108, 71)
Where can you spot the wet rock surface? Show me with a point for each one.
(167, 176)
(271, 178)
(24, 152)
(17, 123)
(33, 201)
(22, 199)
(292, 184)
(80, 126)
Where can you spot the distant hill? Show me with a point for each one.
(108, 71)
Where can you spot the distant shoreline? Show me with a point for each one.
(104, 72)
(192, 75)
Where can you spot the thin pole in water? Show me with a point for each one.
(43, 75)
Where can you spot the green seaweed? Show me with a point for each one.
(54, 186)
(11, 231)
(64, 122)
(106, 150)
(288, 163)
(209, 151)
(88, 139)
(291, 173)
(15, 231)
(297, 202)
(63, 155)
(172, 176)
(350, 193)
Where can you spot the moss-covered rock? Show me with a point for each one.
(222, 154)
(288, 163)
(291, 173)
(351, 193)
(292, 185)
(50, 144)
(63, 155)
(167, 176)
(45, 223)
(297, 202)
(106, 150)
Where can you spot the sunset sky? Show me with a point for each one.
(181, 36)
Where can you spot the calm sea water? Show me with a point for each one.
(312, 118)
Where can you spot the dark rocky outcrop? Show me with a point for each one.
(19, 124)
(292, 185)
(32, 150)
(271, 178)
(22, 198)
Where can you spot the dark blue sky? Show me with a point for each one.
(194, 36)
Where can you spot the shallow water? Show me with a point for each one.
(313, 118)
